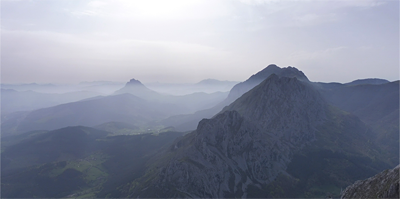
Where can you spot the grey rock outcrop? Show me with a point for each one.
(382, 185)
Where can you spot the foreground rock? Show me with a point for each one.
(382, 185)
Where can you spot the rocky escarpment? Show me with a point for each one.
(382, 185)
(248, 144)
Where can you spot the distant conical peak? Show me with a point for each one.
(134, 82)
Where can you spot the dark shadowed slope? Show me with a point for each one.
(377, 106)
(257, 144)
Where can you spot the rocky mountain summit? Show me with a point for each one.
(241, 88)
(248, 144)
(382, 185)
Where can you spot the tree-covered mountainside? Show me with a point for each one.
(74, 162)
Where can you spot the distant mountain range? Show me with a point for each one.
(123, 108)
(134, 104)
(12, 100)
(206, 86)
(102, 87)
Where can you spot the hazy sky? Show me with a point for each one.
(68, 41)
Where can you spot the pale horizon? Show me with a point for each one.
(67, 42)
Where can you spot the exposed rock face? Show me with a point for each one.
(382, 185)
(249, 143)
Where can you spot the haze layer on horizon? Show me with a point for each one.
(69, 41)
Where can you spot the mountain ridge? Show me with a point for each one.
(234, 138)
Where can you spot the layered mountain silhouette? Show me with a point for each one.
(191, 102)
(206, 85)
(120, 108)
(134, 104)
(280, 132)
(12, 100)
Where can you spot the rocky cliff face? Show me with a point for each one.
(248, 144)
(382, 185)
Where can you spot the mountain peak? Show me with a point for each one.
(134, 82)
(272, 66)
(284, 72)
(277, 96)
(249, 143)
(254, 80)
(135, 87)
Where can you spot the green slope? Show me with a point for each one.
(75, 162)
